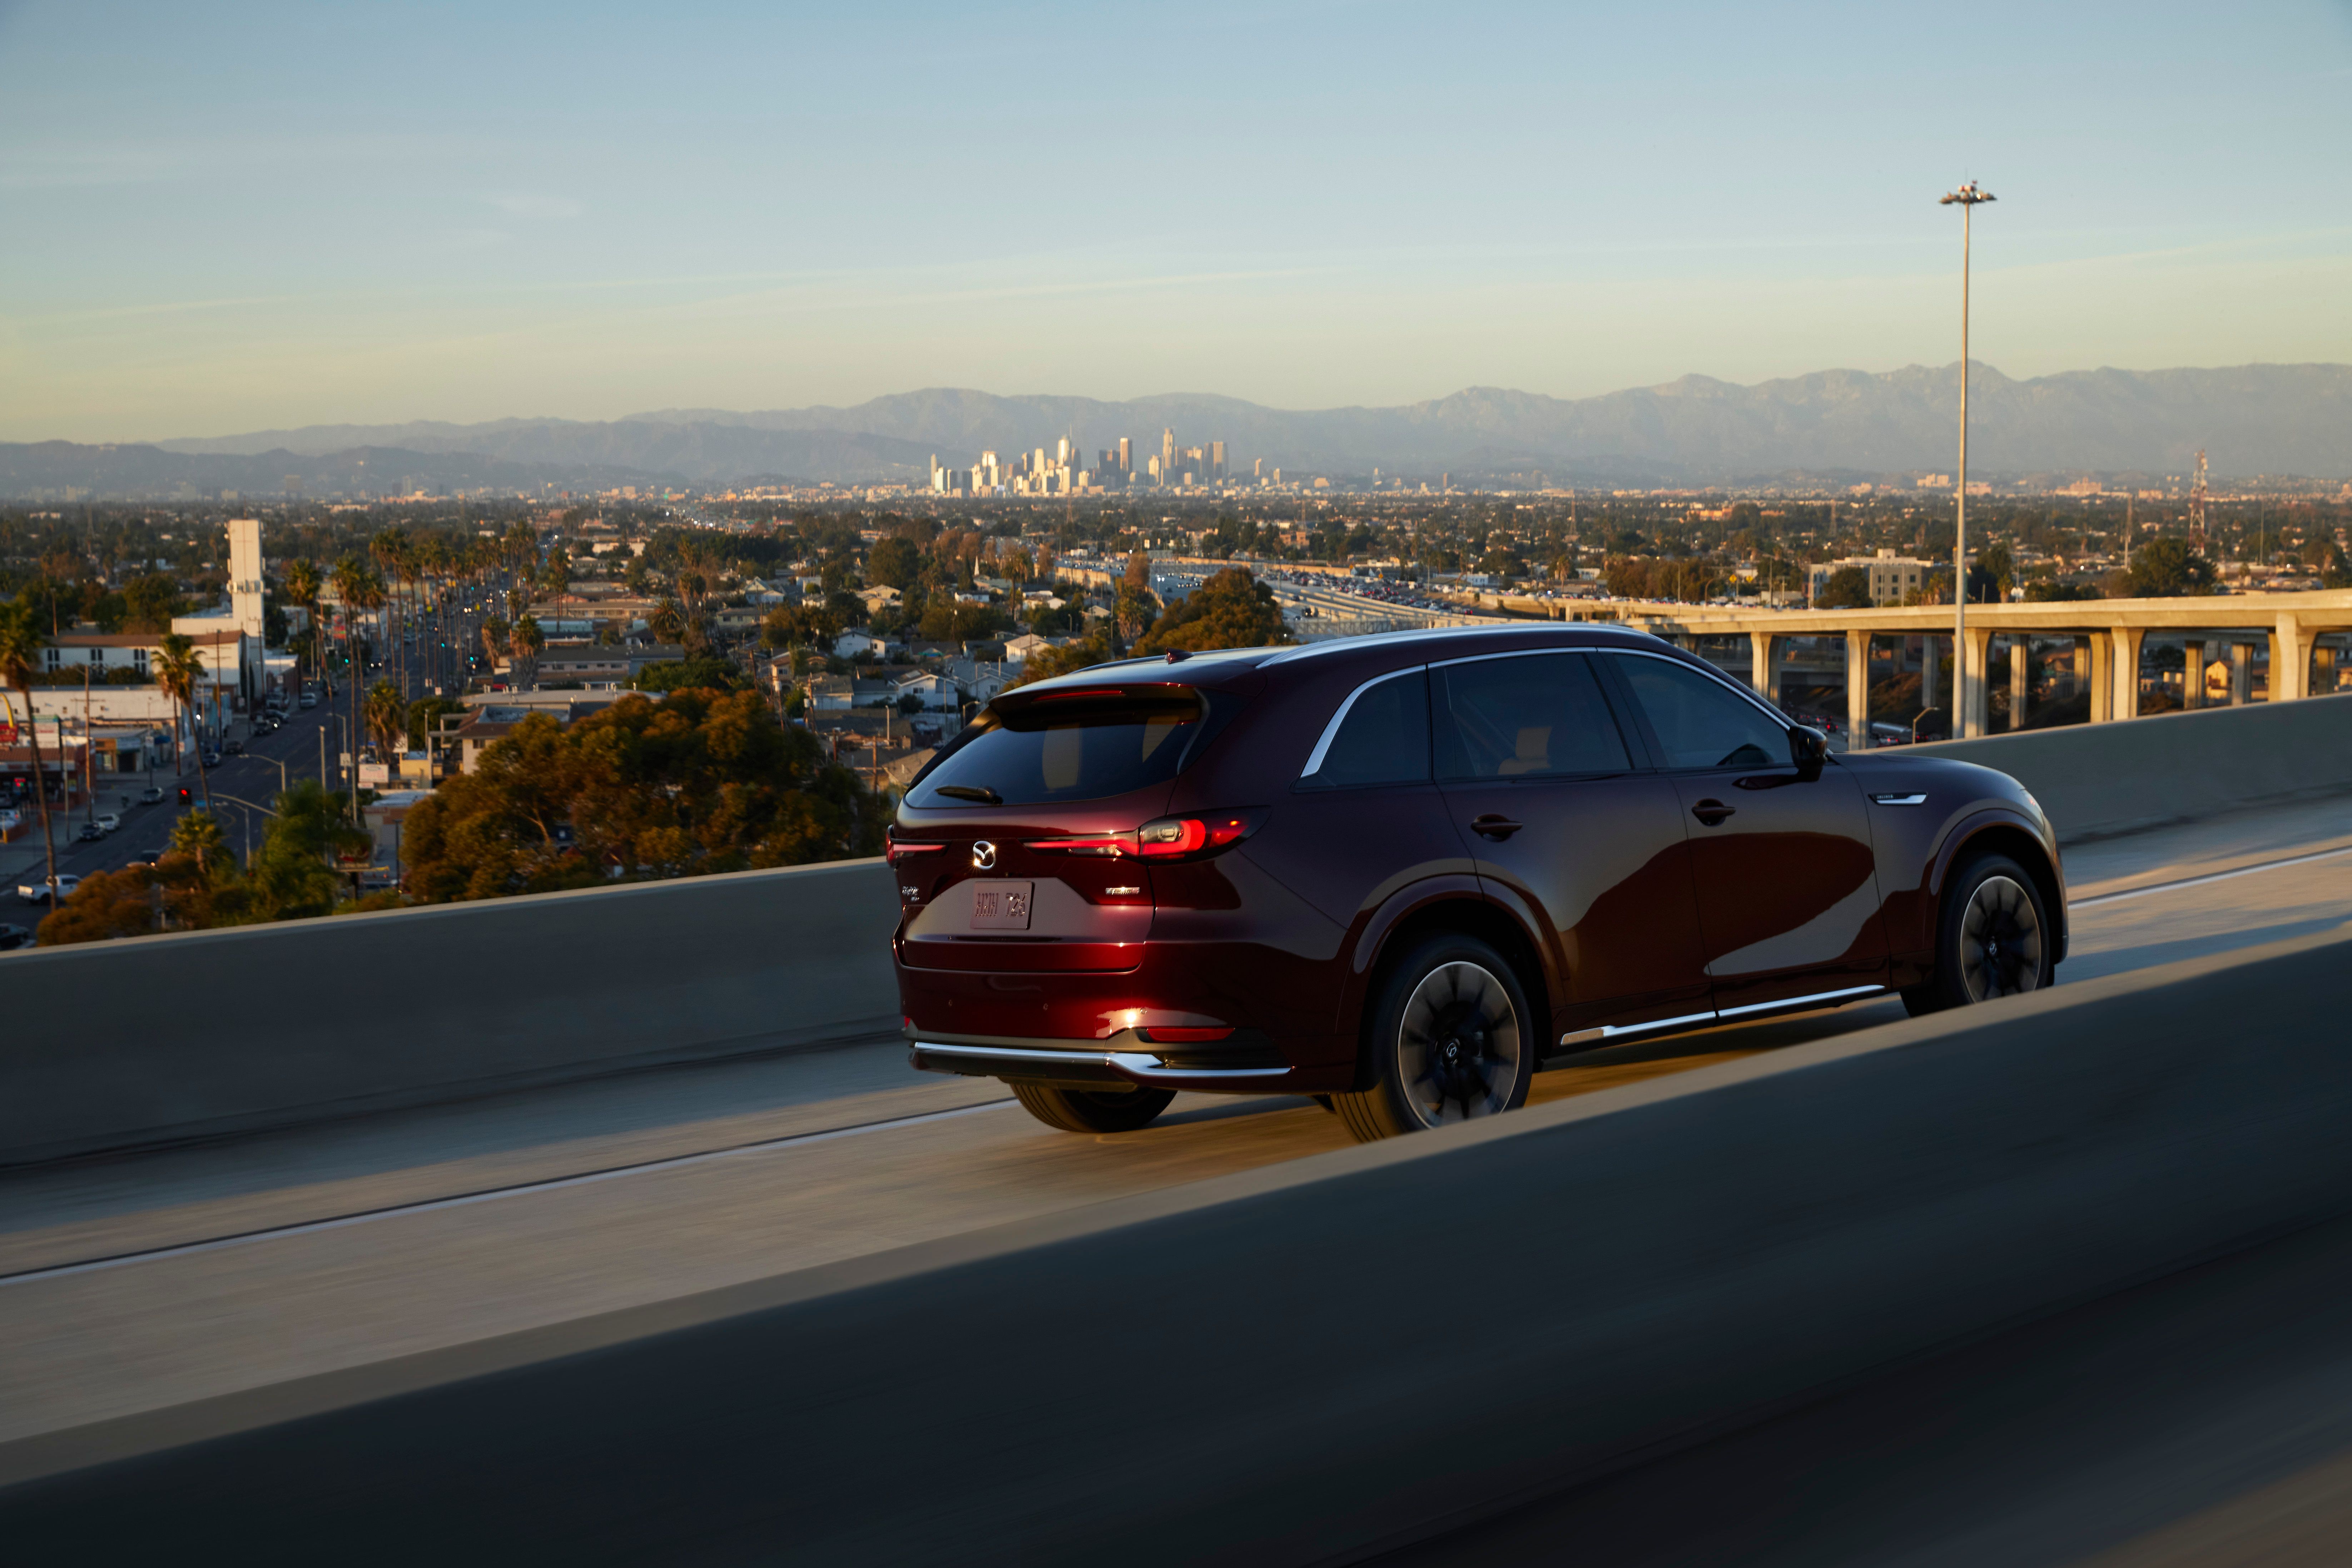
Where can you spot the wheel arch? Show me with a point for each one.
(1467, 912)
(2002, 835)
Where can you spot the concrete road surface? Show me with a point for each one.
(136, 1283)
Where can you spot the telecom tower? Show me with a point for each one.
(2197, 508)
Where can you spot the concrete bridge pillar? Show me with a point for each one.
(1931, 677)
(2021, 685)
(2323, 672)
(2095, 658)
(1857, 691)
(1764, 653)
(2291, 657)
(2125, 668)
(2241, 674)
(1979, 656)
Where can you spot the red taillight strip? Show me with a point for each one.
(1097, 844)
(895, 850)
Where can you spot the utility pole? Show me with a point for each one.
(1967, 198)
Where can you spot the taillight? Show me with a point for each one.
(898, 851)
(1172, 836)
(1168, 839)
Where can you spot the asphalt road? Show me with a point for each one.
(135, 1285)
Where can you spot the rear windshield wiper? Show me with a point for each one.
(970, 792)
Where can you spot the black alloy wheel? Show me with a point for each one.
(1450, 1041)
(1993, 939)
(1092, 1109)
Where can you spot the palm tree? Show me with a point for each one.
(21, 642)
(387, 719)
(494, 637)
(361, 590)
(180, 673)
(302, 584)
(525, 642)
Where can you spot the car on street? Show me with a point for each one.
(89, 832)
(309, 700)
(211, 759)
(235, 748)
(38, 890)
(14, 936)
(1398, 872)
(109, 822)
(150, 795)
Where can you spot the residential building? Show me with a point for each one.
(1892, 576)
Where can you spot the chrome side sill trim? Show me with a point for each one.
(1899, 799)
(1619, 1031)
(1142, 1066)
(1799, 1001)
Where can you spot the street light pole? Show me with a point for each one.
(1966, 199)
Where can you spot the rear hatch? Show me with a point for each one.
(1017, 851)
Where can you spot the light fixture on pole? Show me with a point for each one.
(1966, 199)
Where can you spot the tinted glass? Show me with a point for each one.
(1700, 722)
(1048, 753)
(1384, 738)
(1539, 716)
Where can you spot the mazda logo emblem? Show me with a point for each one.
(983, 856)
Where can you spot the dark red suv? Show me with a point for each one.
(1397, 872)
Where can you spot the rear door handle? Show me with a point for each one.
(1495, 828)
(1712, 812)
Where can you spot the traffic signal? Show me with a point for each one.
(185, 795)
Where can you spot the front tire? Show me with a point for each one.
(1451, 1039)
(1993, 939)
(1090, 1110)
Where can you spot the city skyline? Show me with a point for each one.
(371, 216)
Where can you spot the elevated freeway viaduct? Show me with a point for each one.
(715, 1279)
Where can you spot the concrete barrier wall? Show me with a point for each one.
(171, 1036)
(202, 1032)
(1309, 1362)
(2100, 780)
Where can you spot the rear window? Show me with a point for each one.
(1074, 746)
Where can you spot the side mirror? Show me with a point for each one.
(1809, 749)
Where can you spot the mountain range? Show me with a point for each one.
(2259, 419)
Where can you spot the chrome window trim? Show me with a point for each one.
(1392, 639)
(1515, 653)
(1331, 731)
(1919, 798)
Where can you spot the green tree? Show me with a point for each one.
(302, 584)
(1847, 588)
(951, 622)
(677, 674)
(21, 642)
(181, 673)
(895, 564)
(150, 603)
(198, 836)
(1232, 609)
(2337, 570)
(2166, 568)
(292, 875)
(387, 717)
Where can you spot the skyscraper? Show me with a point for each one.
(1167, 454)
(1125, 455)
(1216, 460)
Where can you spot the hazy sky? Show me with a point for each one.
(233, 216)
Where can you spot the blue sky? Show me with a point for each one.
(238, 215)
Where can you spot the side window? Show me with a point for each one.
(1536, 717)
(1699, 724)
(1383, 740)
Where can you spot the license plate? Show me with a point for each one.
(999, 905)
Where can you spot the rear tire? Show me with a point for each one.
(1451, 1039)
(1993, 939)
(1090, 1110)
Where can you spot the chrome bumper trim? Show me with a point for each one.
(1140, 1066)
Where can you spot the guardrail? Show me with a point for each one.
(1315, 1361)
(198, 1033)
(2098, 781)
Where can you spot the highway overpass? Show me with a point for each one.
(731, 1293)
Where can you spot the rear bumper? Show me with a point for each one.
(1246, 1063)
